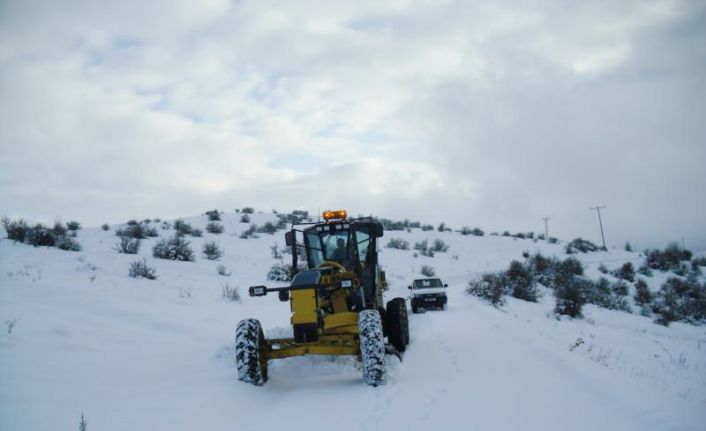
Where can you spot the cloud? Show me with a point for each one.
(503, 113)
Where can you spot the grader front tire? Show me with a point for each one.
(250, 348)
(372, 346)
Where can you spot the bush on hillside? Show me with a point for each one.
(397, 243)
(280, 271)
(680, 300)
(643, 296)
(59, 229)
(268, 228)
(490, 287)
(669, 259)
(250, 232)
(213, 215)
(128, 245)
(423, 248)
(40, 236)
(428, 271)
(213, 227)
(566, 269)
(621, 288)
(520, 282)
(645, 270)
(15, 229)
(73, 225)
(140, 269)
(211, 251)
(542, 268)
(67, 243)
(175, 248)
(439, 246)
(182, 228)
(570, 296)
(581, 245)
(136, 230)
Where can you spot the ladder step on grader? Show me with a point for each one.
(336, 302)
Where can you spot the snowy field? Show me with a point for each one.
(158, 355)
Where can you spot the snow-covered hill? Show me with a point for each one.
(81, 337)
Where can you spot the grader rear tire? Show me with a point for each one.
(372, 347)
(397, 324)
(250, 347)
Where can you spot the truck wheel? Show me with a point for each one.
(397, 324)
(250, 347)
(372, 347)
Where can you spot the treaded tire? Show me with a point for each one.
(397, 323)
(250, 347)
(372, 347)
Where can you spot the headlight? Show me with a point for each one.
(346, 283)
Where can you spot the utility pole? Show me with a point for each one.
(546, 227)
(600, 222)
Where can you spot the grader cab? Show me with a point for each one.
(336, 301)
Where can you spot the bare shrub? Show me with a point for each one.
(250, 232)
(211, 251)
(230, 293)
(140, 269)
(398, 243)
(175, 248)
(213, 215)
(490, 287)
(68, 244)
(428, 271)
(582, 246)
(128, 245)
(213, 227)
(280, 271)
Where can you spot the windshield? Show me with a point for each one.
(328, 246)
(431, 282)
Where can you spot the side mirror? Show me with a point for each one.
(283, 295)
(446, 285)
(289, 238)
(409, 287)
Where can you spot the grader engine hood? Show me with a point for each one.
(305, 306)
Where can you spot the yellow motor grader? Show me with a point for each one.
(336, 301)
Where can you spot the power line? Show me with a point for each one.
(600, 222)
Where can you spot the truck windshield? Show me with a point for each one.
(423, 284)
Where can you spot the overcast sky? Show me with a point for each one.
(489, 114)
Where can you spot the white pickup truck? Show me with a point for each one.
(426, 293)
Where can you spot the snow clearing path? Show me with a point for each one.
(158, 355)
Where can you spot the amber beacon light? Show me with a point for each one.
(335, 215)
